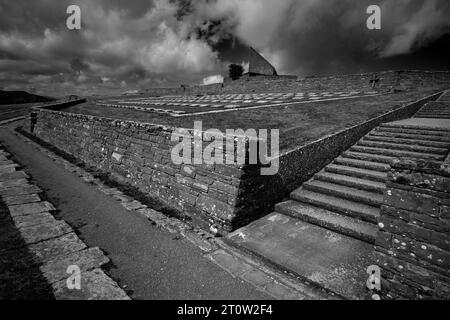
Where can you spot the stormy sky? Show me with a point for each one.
(132, 45)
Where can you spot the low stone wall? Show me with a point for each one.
(226, 196)
(381, 81)
(299, 165)
(413, 244)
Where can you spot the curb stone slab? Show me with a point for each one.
(95, 285)
(53, 244)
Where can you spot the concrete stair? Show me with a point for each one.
(409, 136)
(329, 220)
(357, 183)
(437, 110)
(340, 204)
(395, 153)
(354, 183)
(354, 194)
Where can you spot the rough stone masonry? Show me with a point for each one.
(218, 195)
(413, 245)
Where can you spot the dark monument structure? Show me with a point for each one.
(258, 65)
(261, 69)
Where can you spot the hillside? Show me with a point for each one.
(17, 97)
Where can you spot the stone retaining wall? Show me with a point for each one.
(226, 196)
(381, 81)
(413, 244)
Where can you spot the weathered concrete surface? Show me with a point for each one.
(30, 208)
(12, 183)
(262, 279)
(20, 191)
(54, 248)
(13, 175)
(33, 220)
(21, 199)
(428, 123)
(95, 285)
(333, 261)
(45, 231)
(55, 270)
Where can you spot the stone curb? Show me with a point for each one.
(54, 245)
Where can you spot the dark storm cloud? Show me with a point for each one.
(121, 45)
(127, 45)
(327, 36)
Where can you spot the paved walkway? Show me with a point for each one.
(148, 261)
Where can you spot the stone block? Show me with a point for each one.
(95, 285)
(33, 220)
(44, 231)
(215, 207)
(58, 247)
(30, 208)
(56, 270)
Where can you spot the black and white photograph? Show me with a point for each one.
(232, 157)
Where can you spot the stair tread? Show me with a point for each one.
(413, 130)
(359, 229)
(333, 261)
(439, 144)
(359, 172)
(351, 181)
(362, 163)
(397, 153)
(368, 156)
(400, 146)
(412, 126)
(371, 198)
(348, 207)
(409, 136)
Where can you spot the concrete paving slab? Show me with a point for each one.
(428, 123)
(95, 285)
(54, 248)
(5, 162)
(13, 176)
(17, 191)
(8, 168)
(333, 261)
(45, 231)
(21, 199)
(33, 220)
(13, 183)
(30, 208)
(86, 260)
